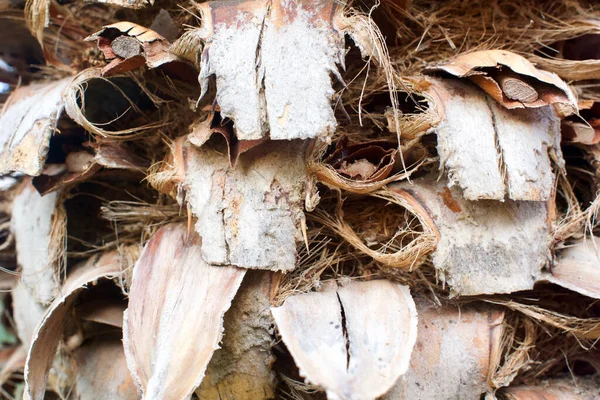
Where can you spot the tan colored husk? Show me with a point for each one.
(407, 257)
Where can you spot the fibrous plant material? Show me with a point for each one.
(49, 332)
(577, 268)
(249, 216)
(511, 149)
(27, 123)
(456, 352)
(353, 341)
(510, 79)
(241, 368)
(27, 314)
(167, 351)
(39, 226)
(484, 247)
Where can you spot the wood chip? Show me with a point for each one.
(167, 351)
(353, 341)
(126, 47)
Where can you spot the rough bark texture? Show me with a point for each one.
(249, 216)
(485, 246)
(353, 341)
(490, 151)
(27, 124)
(241, 368)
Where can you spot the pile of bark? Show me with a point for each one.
(297, 199)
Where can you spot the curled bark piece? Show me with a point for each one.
(39, 226)
(241, 368)
(577, 268)
(108, 312)
(353, 341)
(249, 216)
(484, 247)
(585, 127)
(455, 354)
(167, 352)
(490, 69)
(130, 46)
(84, 163)
(102, 371)
(48, 334)
(27, 123)
(489, 151)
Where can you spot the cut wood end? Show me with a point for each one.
(517, 89)
(126, 47)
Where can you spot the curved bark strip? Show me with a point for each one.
(48, 334)
(491, 152)
(354, 341)
(485, 247)
(27, 123)
(567, 388)
(174, 322)
(39, 225)
(455, 354)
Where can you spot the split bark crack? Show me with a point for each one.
(501, 164)
(344, 330)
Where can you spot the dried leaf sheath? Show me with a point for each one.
(353, 341)
(175, 317)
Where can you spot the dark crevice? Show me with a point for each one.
(344, 331)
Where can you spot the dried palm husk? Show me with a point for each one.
(39, 226)
(171, 281)
(456, 353)
(241, 367)
(479, 138)
(585, 127)
(28, 121)
(355, 340)
(48, 333)
(484, 247)
(27, 314)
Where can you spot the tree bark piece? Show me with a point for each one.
(175, 317)
(27, 124)
(485, 247)
(241, 368)
(455, 354)
(39, 226)
(249, 216)
(353, 341)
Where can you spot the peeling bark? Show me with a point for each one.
(27, 123)
(489, 151)
(241, 368)
(353, 341)
(249, 216)
(485, 247)
(175, 317)
(454, 356)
